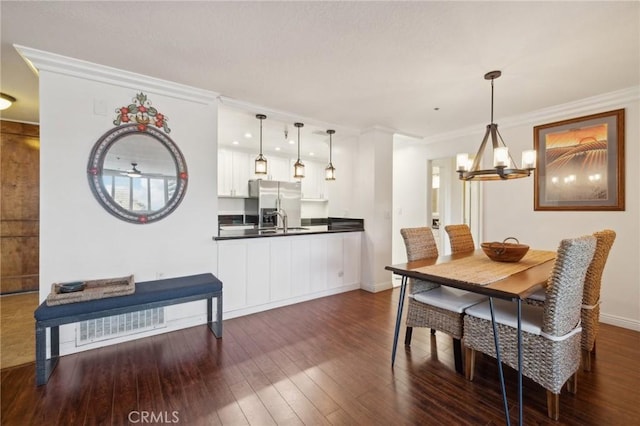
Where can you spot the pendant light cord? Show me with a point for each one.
(492, 100)
(261, 136)
(298, 143)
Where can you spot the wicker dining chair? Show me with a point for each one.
(460, 238)
(550, 334)
(430, 305)
(590, 311)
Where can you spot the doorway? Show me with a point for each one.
(451, 201)
(19, 240)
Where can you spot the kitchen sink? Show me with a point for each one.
(267, 231)
(279, 229)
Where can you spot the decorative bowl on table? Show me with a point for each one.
(504, 251)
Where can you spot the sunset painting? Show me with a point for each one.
(576, 162)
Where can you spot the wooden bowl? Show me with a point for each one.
(504, 251)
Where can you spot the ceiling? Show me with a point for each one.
(415, 68)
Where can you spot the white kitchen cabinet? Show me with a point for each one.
(232, 271)
(301, 266)
(313, 184)
(352, 258)
(280, 276)
(233, 173)
(263, 273)
(258, 266)
(278, 169)
(335, 261)
(318, 255)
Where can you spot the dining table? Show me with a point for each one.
(473, 271)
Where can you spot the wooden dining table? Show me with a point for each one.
(474, 271)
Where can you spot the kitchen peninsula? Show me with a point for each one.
(266, 268)
(332, 225)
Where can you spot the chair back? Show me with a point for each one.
(460, 238)
(419, 243)
(565, 285)
(593, 280)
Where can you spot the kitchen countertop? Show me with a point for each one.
(233, 234)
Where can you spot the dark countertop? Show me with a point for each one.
(255, 233)
(335, 225)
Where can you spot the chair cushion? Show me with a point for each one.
(447, 298)
(539, 295)
(506, 313)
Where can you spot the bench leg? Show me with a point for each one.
(216, 327)
(44, 366)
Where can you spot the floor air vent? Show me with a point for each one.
(115, 326)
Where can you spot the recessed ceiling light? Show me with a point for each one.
(292, 142)
(248, 135)
(277, 148)
(6, 101)
(235, 142)
(312, 154)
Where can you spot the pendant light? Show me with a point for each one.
(261, 162)
(298, 167)
(504, 167)
(330, 171)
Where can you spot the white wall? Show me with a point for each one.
(410, 189)
(342, 199)
(374, 188)
(80, 240)
(508, 206)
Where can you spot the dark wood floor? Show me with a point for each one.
(322, 362)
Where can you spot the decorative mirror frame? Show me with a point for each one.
(95, 170)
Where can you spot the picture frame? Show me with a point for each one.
(580, 163)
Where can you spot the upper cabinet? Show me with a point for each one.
(278, 169)
(314, 187)
(233, 173)
(236, 168)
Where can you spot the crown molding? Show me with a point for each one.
(39, 60)
(284, 115)
(555, 113)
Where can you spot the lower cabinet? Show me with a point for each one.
(263, 273)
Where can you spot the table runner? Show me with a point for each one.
(95, 289)
(479, 269)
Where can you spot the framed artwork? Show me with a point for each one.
(580, 163)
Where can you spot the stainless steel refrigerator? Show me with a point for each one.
(267, 196)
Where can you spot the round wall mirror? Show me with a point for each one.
(137, 173)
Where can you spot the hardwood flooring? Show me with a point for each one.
(17, 329)
(323, 362)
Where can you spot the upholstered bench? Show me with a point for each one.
(148, 295)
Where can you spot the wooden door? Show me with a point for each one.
(19, 207)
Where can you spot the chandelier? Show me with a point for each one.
(504, 167)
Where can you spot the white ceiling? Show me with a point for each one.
(349, 65)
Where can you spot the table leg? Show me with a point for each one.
(497, 344)
(519, 303)
(403, 288)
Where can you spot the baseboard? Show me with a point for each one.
(623, 322)
(374, 288)
(272, 305)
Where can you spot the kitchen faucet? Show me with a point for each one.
(283, 216)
